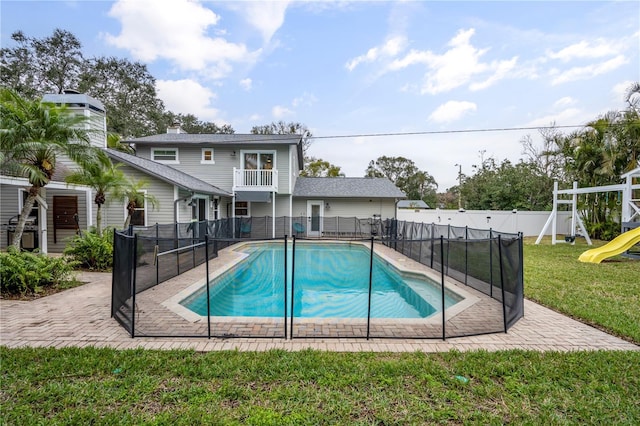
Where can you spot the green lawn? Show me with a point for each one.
(105, 386)
(606, 295)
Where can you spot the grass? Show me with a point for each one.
(606, 295)
(105, 386)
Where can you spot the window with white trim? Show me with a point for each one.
(165, 155)
(139, 217)
(242, 208)
(207, 156)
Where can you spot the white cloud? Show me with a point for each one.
(588, 71)
(457, 66)
(452, 111)
(175, 30)
(502, 69)
(392, 47)
(279, 112)
(188, 97)
(266, 16)
(307, 99)
(619, 91)
(246, 84)
(598, 48)
(564, 102)
(569, 116)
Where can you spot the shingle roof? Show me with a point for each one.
(345, 187)
(217, 138)
(166, 173)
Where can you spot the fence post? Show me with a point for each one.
(293, 276)
(432, 238)
(466, 253)
(285, 286)
(504, 307)
(156, 255)
(134, 256)
(370, 288)
(491, 262)
(444, 335)
(206, 256)
(113, 273)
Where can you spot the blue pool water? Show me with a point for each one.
(331, 281)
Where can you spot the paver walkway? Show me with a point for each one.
(81, 317)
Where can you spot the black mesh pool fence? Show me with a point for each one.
(476, 278)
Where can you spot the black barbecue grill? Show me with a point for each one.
(29, 235)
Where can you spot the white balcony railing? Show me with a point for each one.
(255, 180)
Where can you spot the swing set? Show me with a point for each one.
(630, 207)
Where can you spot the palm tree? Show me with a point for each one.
(135, 196)
(33, 135)
(103, 177)
(114, 142)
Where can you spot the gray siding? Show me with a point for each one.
(8, 209)
(361, 208)
(220, 174)
(113, 213)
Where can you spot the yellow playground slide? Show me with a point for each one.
(621, 243)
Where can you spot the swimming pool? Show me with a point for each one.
(331, 281)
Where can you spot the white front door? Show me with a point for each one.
(315, 213)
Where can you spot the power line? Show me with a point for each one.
(442, 132)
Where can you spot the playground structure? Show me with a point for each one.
(630, 209)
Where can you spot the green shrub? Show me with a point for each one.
(92, 251)
(29, 273)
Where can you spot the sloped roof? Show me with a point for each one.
(216, 138)
(346, 187)
(166, 173)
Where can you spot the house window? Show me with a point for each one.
(259, 160)
(207, 156)
(165, 155)
(139, 217)
(242, 208)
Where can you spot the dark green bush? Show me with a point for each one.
(29, 273)
(92, 251)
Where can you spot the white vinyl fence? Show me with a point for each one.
(529, 223)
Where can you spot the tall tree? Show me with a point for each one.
(101, 175)
(317, 167)
(128, 92)
(282, 128)
(506, 186)
(191, 124)
(33, 135)
(38, 66)
(416, 184)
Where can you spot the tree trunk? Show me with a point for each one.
(99, 220)
(127, 221)
(26, 209)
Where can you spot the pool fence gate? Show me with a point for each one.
(155, 267)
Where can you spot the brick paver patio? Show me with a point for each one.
(81, 317)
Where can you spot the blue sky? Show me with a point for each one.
(365, 68)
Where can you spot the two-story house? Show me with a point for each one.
(249, 176)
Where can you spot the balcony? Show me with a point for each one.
(255, 180)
